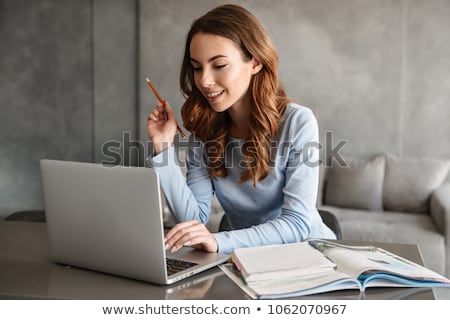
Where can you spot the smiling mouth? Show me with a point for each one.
(211, 95)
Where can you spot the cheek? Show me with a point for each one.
(242, 80)
(196, 80)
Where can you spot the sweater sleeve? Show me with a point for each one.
(299, 218)
(188, 199)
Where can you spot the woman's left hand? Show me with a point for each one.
(190, 233)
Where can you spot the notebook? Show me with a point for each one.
(109, 219)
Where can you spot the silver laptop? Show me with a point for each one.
(109, 219)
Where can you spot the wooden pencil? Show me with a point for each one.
(150, 84)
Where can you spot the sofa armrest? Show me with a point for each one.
(440, 213)
(321, 187)
(440, 209)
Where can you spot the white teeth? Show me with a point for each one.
(213, 94)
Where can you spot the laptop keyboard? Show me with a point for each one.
(174, 265)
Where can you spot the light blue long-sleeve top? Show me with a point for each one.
(280, 209)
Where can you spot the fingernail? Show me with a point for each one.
(173, 250)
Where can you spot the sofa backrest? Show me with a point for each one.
(382, 182)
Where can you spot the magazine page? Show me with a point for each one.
(346, 258)
(363, 261)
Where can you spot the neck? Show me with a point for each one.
(240, 119)
(239, 124)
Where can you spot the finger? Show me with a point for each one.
(168, 110)
(167, 106)
(191, 237)
(198, 239)
(181, 234)
(178, 227)
(158, 115)
(160, 106)
(206, 242)
(154, 116)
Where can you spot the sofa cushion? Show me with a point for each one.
(408, 183)
(357, 185)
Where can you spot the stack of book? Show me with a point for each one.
(317, 266)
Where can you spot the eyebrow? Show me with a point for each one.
(211, 59)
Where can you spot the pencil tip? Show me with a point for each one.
(147, 79)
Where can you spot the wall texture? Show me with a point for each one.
(67, 72)
(114, 40)
(45, 93)
(375, 73)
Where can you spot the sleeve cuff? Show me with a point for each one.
(162, 159)
(223, 242)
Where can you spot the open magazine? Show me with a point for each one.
(316, 266)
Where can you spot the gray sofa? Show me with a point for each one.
(383, 199)
(386, 199)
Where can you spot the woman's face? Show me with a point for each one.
(220, 71)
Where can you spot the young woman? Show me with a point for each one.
(249, 145)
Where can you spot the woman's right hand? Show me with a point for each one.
(190, 233)
(161, 126)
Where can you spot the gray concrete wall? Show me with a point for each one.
(115, 52)
(67, 86)
(45, 93)
(375, 73)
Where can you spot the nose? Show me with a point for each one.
(206, 79)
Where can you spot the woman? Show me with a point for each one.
(249, 145)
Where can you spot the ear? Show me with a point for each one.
(256, 66)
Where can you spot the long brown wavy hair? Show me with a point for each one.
(268, 96)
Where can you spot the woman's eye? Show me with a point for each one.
(196, 69)
(221, 66)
